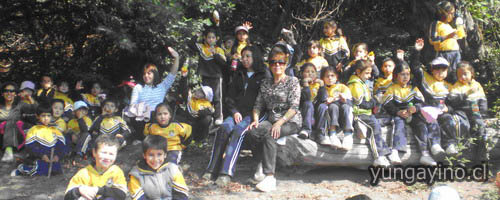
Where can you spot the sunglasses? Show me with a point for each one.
(272, 62)
(7, 90)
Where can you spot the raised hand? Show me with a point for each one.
(248, 25)
(419, 44)
(173, 52)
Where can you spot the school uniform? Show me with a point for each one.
(40, 140)
(379, 88)
(319, 63)
(335, 49)
(177, 135)
(307, 101)
(80, 128)
(329, 114)
(446, 48)
(363, 104)
(398, 98)
(111, 183)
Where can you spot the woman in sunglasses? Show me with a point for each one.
(279, 96)
(11, 126)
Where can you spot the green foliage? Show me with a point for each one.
(96, 39)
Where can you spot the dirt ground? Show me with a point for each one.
(324, 183)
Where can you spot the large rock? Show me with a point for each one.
(308, 153)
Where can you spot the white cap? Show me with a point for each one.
(80, 104)
(239, 28)
(440, 61)
(209, 94)
(27, 85)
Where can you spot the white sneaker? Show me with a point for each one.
(218, 121)
(451, 150)
(8, 157)
(303, 134)
(436, 150)
(13, 172)
(427, 160)
(347, 142)
(335, 142)
(267, 185)
(325, 140)
(394, 157)
(259, 173)
(381, 161)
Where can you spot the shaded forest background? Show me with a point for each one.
(111, 40)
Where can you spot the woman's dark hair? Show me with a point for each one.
(282, 47)
(326, 70)
(16, 98)
(156, 74)
(155, 142)
(258, 62)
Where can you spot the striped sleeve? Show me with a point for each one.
(135, 189)
(179, 187)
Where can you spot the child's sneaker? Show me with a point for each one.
(427, 160)
(451, 150)
(207, 176)
(267, 185)
(381, 161)
(335, 142)
(13, 172)
(324, 140)
(394, 157)
(8, 156)
(436, 150)
(303, 134)
(347, 142)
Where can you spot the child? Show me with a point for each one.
(78, 127)
(242, 40)
(469, 102)
(57, 120)
(45, 145)
(62, 94)
(310, 87)
(92, 99)
(28, 113)
(444, 37)
(360, 52)
(46, 93)
(102, 179)
(177, 134)
(435, 90)
(227, 45)
(402, 101)
(287, 43)
(110, 124)
(363, 105)
(27, 90)
(381, 85)
(314, 56)
(334, 101)
(199, 101)
(211, 65)
(334, 46)
(152, 177)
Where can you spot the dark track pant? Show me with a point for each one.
(377, 143)
(427, 134)
(329, 114)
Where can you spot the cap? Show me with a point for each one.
(28, 85)
(440, 62)
(239, 28)
(80, 104)
(209, 94)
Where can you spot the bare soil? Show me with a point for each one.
(323, 183)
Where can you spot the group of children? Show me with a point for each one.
(337, 95)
